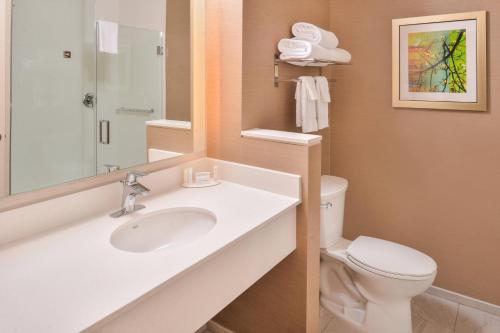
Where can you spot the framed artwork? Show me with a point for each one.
(439, 62)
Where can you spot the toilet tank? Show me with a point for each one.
(332, 209)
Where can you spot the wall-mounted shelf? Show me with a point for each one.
(293, 138)
(306, 63)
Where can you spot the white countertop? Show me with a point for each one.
(70, 278)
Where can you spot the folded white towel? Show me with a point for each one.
(323, 101)
(316, 35)
(299, 49)
(108, 37)
(306, 96)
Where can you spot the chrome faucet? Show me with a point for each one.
(131, 189)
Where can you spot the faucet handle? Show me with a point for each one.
(133, 175)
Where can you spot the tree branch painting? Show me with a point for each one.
(437, 61)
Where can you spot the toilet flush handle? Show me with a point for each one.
(327, 205)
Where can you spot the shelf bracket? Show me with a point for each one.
(276, 72)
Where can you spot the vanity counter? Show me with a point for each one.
(71, 278)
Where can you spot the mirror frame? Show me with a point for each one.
(198, 93)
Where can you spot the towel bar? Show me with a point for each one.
(132, 110)
(295, 81)
(277, 62)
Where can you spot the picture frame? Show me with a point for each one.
(440, 62)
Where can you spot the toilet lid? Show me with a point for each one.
(390, 259)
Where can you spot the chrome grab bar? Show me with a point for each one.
(132, 110)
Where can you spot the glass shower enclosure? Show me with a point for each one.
(79, 110)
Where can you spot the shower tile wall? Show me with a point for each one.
(54, 66)
(47, 89)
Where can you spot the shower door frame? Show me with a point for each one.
(5, 55)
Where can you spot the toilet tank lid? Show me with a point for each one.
(382, 256)
(331, 185)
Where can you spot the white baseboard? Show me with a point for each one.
(213, 327)
(202, 329)
(464, 300)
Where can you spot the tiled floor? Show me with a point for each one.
(334, 324)
(213, 327)
(430, 314)
(474, 321)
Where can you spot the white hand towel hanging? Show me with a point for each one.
(316, 35)
(323, 102)
(298, 102)
(108, 37)
(306, 96)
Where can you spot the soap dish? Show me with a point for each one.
(209, 183)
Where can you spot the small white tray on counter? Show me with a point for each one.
(210, 183)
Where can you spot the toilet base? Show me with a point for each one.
(375, 303)
(388, 318)
(375, 318)
(354, 315)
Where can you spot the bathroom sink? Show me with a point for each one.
(163, 229)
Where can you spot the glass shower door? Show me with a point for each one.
(129, 93)
(53, 67)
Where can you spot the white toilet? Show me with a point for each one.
(369, 282)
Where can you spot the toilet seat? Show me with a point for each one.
(390, 259)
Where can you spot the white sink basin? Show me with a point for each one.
(163, 229)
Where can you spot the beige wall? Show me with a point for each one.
(170, 139)
(287, 298)
(264, 24)
(178, 60)
(428, 179)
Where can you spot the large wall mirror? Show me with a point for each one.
(93, 86)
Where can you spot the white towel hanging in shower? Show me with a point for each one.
(108, 37)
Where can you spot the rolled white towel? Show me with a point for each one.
(315, 35)
(299, 49)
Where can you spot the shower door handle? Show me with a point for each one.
(104, 136)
